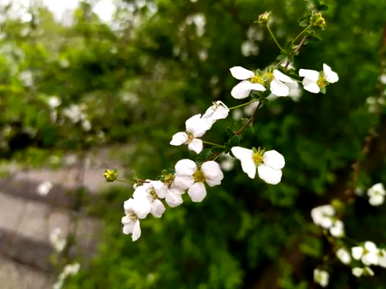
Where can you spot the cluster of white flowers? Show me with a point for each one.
(190, 177)
(75, 113)
(325, 217)
(148, 197)
(369, 255)
(365, 255)
(376, 194)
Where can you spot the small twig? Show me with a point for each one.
(250, 120)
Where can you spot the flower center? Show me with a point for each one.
(322, 81)
(257, 79)
(153, 194)
(263, 79)
(168, 179)
(198, 176)
(190, 137)
(132, 216)
(257, 156)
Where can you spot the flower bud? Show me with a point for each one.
(110, 175)
(318, 20)
(264, 17)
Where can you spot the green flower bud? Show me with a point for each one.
(110, 175)
(318, 20)
(264, 17)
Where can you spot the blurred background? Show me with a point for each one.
(90, 85)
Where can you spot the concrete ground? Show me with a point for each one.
(28, 218)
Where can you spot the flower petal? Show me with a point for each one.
(357, 252)
(279, 88)
(310, 74)
(269, 175)
(330, 75)
(142, 207)
(157, 208)
(282, 77)
(212, 172)
(196, 145)
(197, 192)
(274, 159)
(241, 73)
(245, 157)
(216, 111)
(376, 200)
(179, 138)
(160, 188)
(185, 167)
(173, 198)
(311, 85)
(128, 228)
(197, 125)
(136, 231)
(243, 88)
(182, 182)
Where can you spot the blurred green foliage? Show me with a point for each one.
(139, 82)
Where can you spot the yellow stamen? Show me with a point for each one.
(198, 176)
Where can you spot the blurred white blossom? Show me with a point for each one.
(321, 277)
(58, 239)
(376, 194)
(44, 188)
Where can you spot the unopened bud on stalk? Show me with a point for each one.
(264, 17)
(110, 175)
(318, 20)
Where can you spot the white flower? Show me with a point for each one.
(268, 164)
(71, 269)
(196, 127)
(279, 86)
(337, 229)
(58, 239)
(74, 113)
(277, 81)
(249, 82)
(321, 277)
(54, 102)
(86, 124)
(382, 258)
(190, 176)
(44, 188)
(215, 112)
(135, 209)
(314, 81)
(358, 272)
(227, 163)
(367, 253)
(323, 216)
(376, 194)
(152, 191)
(343, 255)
